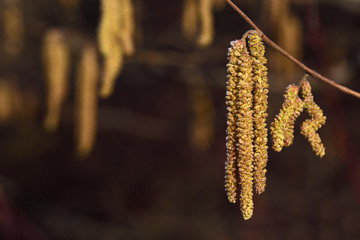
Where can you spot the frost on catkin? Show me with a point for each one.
(310, 126)
(261, 86)
(56, 61)
(282, 128)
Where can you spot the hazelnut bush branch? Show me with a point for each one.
(290, 57)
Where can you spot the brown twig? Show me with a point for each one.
(290, 57)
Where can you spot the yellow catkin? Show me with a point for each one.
(56, 61)
(261, 86)
(86, 100)
(113, 64)
(110, 44)
(232, 97)
(127, 26)
(190, 19)
(13, 25)
(206, 34)
(298, 107)
(283, 124)
(109, 25)
(310, 126)
(245, 132)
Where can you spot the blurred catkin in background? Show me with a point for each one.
(154, 149)
(56, 62)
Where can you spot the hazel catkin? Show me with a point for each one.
(206, 34)
(56, 61)
(127, 26)
(310, 126)
(246, 100)
(240, 127)
(245, 134)
(190, 19)
(115, 37)
(232, 97)
(283, 124)
(86, 100)
(257, 50)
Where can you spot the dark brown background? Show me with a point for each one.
(143, 179)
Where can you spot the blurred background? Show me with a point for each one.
(156, 168)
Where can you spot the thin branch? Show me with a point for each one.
(290, 57)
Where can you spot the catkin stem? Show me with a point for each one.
(290, 57)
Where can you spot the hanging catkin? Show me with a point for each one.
(86, 100)
(310, 126)
(115, 36)
(246, 140)
(109, 44)
(245, 133)
(232, 97)
(282, 128)
(261, 86)
(190, 19)
(198, 21)
(297, 108)
(113, 64)
(206, 34)
(56, 61)
(240, 127)
(127, 26)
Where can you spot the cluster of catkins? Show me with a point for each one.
(57, 51)
(246, 100)
(198, 20)
(246, 133)
(282, 129)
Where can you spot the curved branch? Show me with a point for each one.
(290, 57)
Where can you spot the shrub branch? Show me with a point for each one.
(290, 57)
